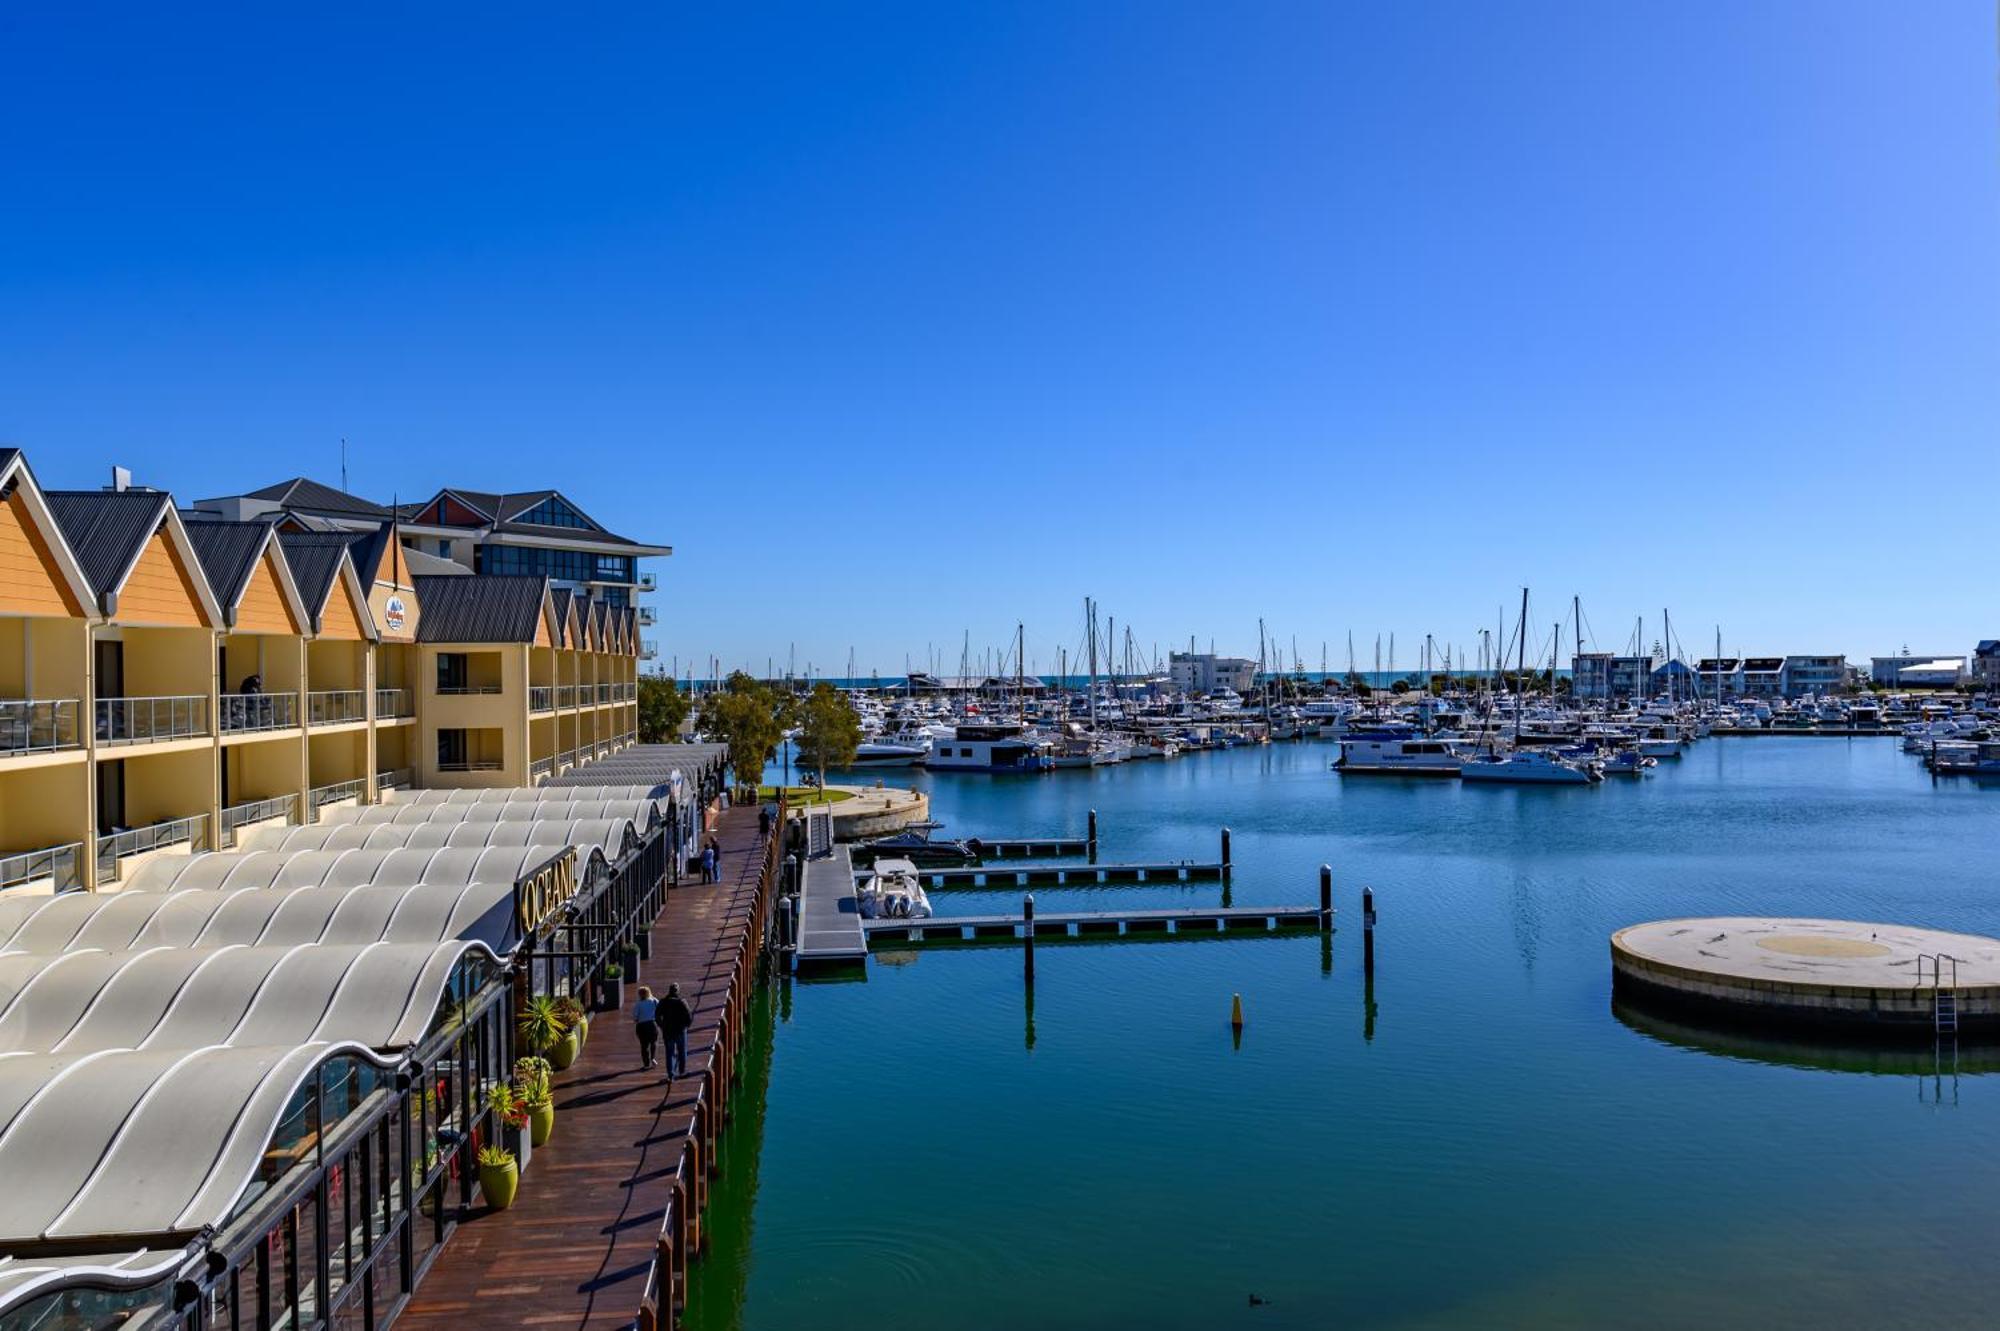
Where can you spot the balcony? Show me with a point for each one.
(540, 770)
(566, 695)
(649, 582)
(649, 650)
(603, 694)
(394, 704)
(243, 713)
(395, 778)
(646, 616)
(336, 792)
(332, 707)
(115, 848)
(146, 720)
(60, 866)
(239, 816)
(541, 698)
(472, 765)
(467, 690)
(48, 726)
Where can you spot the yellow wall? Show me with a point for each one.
(44, 806)
(505, 713)
(168, 662)
(262, 769)
(160, 590)
(278, 661)
(335, 664)
(30, 582)
(172, 785)
(49, 652)
(264, 608)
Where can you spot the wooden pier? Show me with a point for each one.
(1074, 875)
(1032, 848)
(1206, 922)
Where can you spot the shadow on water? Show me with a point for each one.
(1836, 1052)
(720, 1280)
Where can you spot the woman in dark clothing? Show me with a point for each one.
(673, 1018)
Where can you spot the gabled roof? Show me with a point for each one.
(16, 477)
(107, 531)
(416, 561)
(506, 514)
(228, 553)
(565, 622)
(315, 558)
(1711, 664)
(1765, 663)
(313, 497)
(491, 608)
(1987, 647)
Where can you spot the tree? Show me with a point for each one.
(662, 709)
(829, 731)
(744, 715)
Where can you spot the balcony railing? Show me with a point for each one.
(603, 694)
(648, 649)
(540, 769)
(62, 866)
(115, 848)
(142, 720)
(332, 707)
(467, 690)
(649, 582)
(472, 765)
(541, 698)
(394, 704)
(335, 793)
(396, 778)
(39, 726)
(646, 616)
(565, 695)
(244, 712)
(239, 816)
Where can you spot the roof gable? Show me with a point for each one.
(38, 573)
(493, 608)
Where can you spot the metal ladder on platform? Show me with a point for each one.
(1944, 995)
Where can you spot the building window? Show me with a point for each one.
(553, 512)
(451, 672)
(451, 749)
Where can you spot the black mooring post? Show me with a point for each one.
(1028, 937)
(1225, 854)
(1368, 932)
(1091, 846)
(1325, 898)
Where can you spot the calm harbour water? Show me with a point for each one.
(1487, 1143)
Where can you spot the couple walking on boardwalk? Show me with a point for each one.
(668, 1018)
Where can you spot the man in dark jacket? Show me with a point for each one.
(673, 1018)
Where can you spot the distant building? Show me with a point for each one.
(1814, 675)
(1201, 672)
(1986, 664)
(1720, 676)
(1675, 679)
(1763, 676)
(1888, 669)
(1944, 672)
(1604, 675)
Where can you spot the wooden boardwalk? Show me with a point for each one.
(577, 1248)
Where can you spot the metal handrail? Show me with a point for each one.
(238, 816)
(62, 865)
(395, 778)
(541, 698)
(116, 846)
(541, 767)
(327, 707)
(472, 765)
(242, 712)
(337, 791)
(467, 690)
(566, 695)
(140, 720)
(1937, 962)
(393, 704)
(37, 725)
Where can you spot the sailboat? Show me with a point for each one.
(1527, 766)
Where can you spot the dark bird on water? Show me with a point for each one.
(1258, 1300)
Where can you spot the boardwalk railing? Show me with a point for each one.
(680, 1237)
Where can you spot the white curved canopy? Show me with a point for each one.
(536, 795)
(137, 1141)
(609, 835)
(640, 813)
(400, 865)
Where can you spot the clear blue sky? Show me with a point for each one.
(899, 321)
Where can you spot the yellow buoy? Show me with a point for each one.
(1236, 1011)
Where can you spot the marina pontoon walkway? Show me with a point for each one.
(829, 914)
(577, 1246)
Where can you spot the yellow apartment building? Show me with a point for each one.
(168, 680)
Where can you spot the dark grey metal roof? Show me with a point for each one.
(490, 608)
(562, 597)
(643, 764)
(317, 498)
(315, 561)
(228, 554)
(7, 456)
(365, 549)
(503, 511)
(106, 528)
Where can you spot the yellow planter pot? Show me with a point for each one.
(498, 1184)
(541, 1122)
(565, 1051)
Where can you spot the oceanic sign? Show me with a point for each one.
(542, 893)
(392, 614)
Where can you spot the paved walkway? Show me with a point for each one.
(575, 1248)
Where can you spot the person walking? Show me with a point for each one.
(764, 823)
(644, 1020)
(674, 1017)
(711, 863)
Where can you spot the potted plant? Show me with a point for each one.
(533, 1089)
(576, 1022)
(546, 1030)
(611, 989)
(499, 1179)
(629, 958)
(510, 1117)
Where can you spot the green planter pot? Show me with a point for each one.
(541, 1122)
(564, 1052)
(498, 1184)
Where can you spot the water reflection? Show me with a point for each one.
(1834, 1052)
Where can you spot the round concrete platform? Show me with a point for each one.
(1824, 972)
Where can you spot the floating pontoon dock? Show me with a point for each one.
(829, 916)
(1181, 921)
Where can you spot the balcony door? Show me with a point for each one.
(110, 668)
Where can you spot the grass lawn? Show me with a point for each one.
(799, 796)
